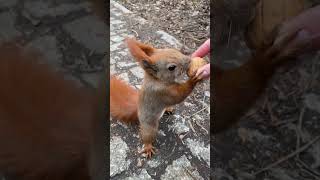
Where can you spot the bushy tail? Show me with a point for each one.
(123, 101)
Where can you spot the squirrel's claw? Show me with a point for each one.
(148, 150)
(195, 78)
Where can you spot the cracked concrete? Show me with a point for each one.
(182, 146)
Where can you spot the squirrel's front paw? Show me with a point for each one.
(148, 149)
(195, 78)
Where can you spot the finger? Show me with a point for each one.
(201, 70)
(281, 42)
(198, 72)
(203, 50)
(194, 74)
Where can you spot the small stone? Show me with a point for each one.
(139, 163)
(169, 39)
(154, 163)
(195, 13)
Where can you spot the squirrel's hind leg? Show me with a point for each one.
(148, 133)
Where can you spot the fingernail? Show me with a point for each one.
(205, 73)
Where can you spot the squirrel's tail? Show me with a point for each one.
(123, 101)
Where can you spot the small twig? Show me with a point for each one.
(195, 113)
(181, 136)
(174, 147)
(310, 170)
(197, 123)
(301, 149)
(274, 119)
(265, 102)
(191, 126)
(137, 35)
(284, 122)
(299, 131)
(229, 36)
(204, 98)
(193, 38)
(199, 111)
(188, 172)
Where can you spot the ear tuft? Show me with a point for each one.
(139, 50)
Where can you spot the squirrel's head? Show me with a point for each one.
(167, 65)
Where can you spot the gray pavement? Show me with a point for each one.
(183, 150)
(73, 41)
(67, 33)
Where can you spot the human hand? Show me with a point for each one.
(203, 50)
(203, 72)
(308, 21)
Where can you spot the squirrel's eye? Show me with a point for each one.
(172, 67)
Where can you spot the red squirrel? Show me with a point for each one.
(160, 90)
(45, 120)
(236, 90)
(49, 126)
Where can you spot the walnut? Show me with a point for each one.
(195, 64)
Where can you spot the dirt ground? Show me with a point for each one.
(191, 27)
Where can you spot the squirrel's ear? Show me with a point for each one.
(149, 66)
(139, 50)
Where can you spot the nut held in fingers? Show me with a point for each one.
(195, 64)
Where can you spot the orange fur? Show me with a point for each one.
(50, 128)
(139, 50)
(163, 68)
(45, 121)
(123, 101)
